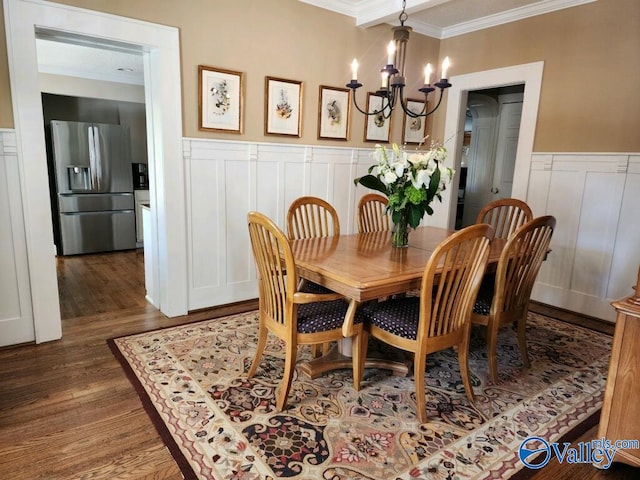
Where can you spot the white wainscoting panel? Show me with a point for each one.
(624, 267)
(594, 197)
(228, 179)
(595, 245)
(16, 314)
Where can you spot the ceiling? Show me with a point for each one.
(435, 18)
(92, 62)
(443, 18)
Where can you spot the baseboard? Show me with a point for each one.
(574, 318)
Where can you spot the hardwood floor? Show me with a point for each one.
(67, 410)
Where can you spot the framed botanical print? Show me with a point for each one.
(333, 113)
(221, 99)
(282, 107)
(414, 129)
(376, 126)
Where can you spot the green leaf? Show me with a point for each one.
(372, 182)
(415, 215)
(433, 185)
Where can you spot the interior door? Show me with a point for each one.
(506, 147)
(484, 112)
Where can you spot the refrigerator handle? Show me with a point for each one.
(92, 157)
(98, 158)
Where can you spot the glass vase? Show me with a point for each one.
(400, 232)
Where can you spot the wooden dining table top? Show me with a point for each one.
(365, 266)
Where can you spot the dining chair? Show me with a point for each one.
(505, 215)
(312, 217)
(372, 213)
(504, 298)
(441, 317)
(295, 317)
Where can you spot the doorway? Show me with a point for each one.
(160, 48)
(83, 83)
(491, 130)
(530, 75)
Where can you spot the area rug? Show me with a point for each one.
(219, 425)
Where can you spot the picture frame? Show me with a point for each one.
(376, 127)
(334, 113)
(221, 100)
(282, 107)
(414, 129)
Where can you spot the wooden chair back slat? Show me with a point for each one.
(312, 217)
(505, 216)
(447, 297)
(372, 213)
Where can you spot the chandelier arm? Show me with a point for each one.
(410, 113)
(388, 107)
(437, 105)
(423, 113)
(355, 103)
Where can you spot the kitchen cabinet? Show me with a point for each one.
(620, 417)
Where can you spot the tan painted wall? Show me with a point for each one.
(590, 100)
(585, 49)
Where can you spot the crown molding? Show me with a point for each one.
(535, 9)
(374, 12)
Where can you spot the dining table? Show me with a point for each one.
(366, 267)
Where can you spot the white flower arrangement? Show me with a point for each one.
(410, 180)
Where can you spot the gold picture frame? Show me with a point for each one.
(414, 129)
(376, 127)
(221, 100)
(334, 113)
(282, 107)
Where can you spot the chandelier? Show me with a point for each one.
(393, 80)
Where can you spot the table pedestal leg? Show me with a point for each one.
(396, 361)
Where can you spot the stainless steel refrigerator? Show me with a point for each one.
(94, 185)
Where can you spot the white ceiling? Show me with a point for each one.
(435, 18)
(91, 62)
(443, 18)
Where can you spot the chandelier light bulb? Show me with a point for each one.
(354, 69)
(427, 74)
(385, 79)
(445, 67)
(391, 50)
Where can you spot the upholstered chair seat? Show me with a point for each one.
(322, 316)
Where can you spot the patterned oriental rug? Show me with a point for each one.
(219, 425)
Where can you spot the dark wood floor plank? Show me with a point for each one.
(67, 410)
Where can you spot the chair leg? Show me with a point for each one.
(522, 340)
(262, 342)
(289, 367)
(463, 360)
(492, 350)
(419, 370)
(316, 350)
(359, 354)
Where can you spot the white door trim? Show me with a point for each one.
(160, 45)
(531, 75)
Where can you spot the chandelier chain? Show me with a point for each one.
(403, 15)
